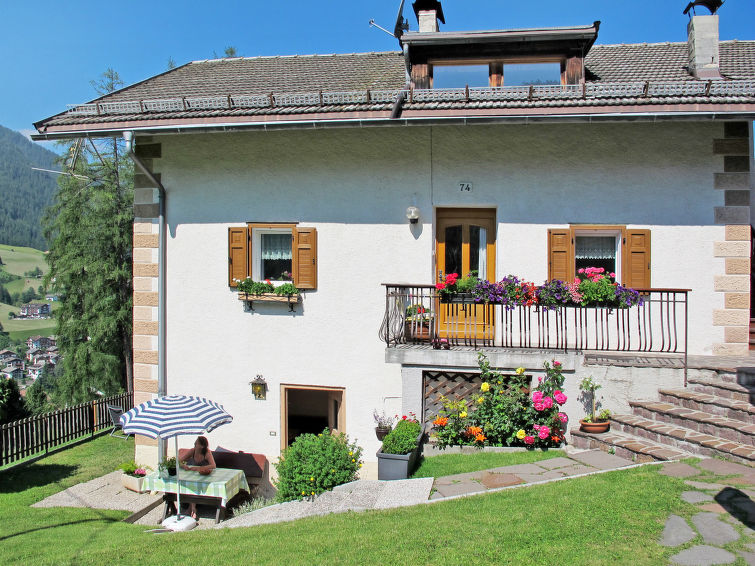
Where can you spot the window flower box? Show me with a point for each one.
(270, 298)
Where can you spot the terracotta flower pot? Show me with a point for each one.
(596, 427)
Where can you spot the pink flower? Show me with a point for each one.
(536, 427)
(612, 274)
(537, 397)
(559, 397)
(529, 440)
(547, 402)
(542, 435)
(581, 270)
(440, 286)
(556, 364)
(539, 407)
(546, 429)
(562, 417)
(539, 379)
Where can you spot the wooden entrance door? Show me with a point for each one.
(465, 243)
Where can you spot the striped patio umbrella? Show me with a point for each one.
(172, 416)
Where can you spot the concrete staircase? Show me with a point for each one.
(711, 417)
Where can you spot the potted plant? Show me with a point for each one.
(400, 451)
(418, 322)
(384, 424)
(457, 290)
(168, 465)
(594, 422)
(133, 476)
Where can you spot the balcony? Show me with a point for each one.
(416, 316)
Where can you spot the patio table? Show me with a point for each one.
(213, 489)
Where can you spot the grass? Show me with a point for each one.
(18, 260)
(450, 464)
(612, 518)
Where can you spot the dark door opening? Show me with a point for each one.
(311, 410)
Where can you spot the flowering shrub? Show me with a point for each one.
(452, 284)
(504, 412)
(315, 463)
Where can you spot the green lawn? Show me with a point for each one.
(451, 464)
(18, 260)
(606, 519)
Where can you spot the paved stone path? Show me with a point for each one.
(576, 464)
(720, 530)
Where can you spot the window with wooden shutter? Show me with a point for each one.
(305, 258)
(560, 254)
(238, 242)
(278, 252)
(636, 259)
(634, 245)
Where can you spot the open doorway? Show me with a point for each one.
(307, 409)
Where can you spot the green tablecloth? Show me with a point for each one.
(222, 482)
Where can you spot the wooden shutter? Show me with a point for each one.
(238, 244)
(560, 254)
(305, 258)
(636, 259)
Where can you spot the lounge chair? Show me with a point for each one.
(115, 417)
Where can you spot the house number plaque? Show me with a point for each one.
(465, 187)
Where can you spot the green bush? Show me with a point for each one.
(314, 464)
(403, 438)
(286, 289)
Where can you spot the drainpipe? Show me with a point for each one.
(128, 136)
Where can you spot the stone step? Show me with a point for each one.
(640, 450)
(699, 421)
(684, 439)
(719, 387)
(730, 408)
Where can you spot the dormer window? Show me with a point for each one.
(493, 74)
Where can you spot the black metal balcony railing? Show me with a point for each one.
(414, 314)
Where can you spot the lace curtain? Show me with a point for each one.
(276, 246)
(595, 247)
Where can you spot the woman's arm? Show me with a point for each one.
(184, 454)
(210, 460)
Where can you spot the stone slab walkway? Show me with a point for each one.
(720, 529)
(575, 464)
(105, 492)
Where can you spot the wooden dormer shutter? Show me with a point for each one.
(238, 244)
(560, 254)
(305, 258)
(636, 259)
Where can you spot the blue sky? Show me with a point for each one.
(52, 49)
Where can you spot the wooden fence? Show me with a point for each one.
(41, 433)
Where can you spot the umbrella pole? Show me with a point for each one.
(178, 481)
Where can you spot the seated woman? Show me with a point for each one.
(198, 459)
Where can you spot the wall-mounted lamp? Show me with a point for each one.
(412, 213)
(259, 388)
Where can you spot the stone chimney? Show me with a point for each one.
(428, 13)
(428, 20)
(702, 45)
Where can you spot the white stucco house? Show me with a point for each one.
(304, 168)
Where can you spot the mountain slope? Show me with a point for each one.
(24, 193)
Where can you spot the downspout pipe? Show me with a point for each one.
(128, 136)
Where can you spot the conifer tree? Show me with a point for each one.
(90, 230)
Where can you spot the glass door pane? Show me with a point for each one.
(478, 248)
(453, 251)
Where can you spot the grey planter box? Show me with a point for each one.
(398, 466)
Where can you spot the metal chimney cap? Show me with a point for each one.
(421, 5)
(712, 5)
